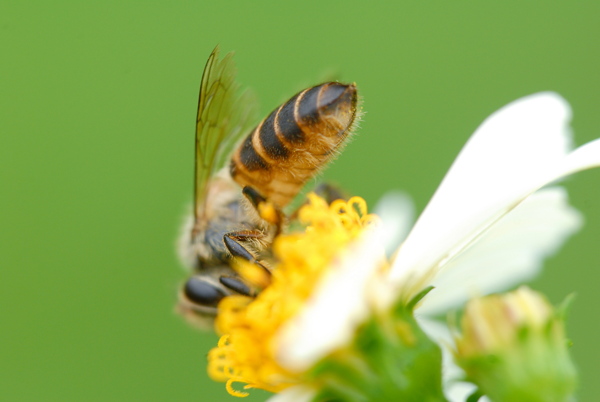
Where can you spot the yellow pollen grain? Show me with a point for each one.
(268, 212)
(245, 352)
(254, 274)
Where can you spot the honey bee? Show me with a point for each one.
(238, 205)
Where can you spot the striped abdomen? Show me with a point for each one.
(297, 139)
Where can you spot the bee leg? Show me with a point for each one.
(232, 242)
(266, 209)
(235, 284)
(330, 192)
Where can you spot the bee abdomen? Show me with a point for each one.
(297, 139)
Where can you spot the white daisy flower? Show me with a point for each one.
(487, 228)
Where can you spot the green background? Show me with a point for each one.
(97, 113)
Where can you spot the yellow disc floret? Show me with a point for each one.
(245, 353)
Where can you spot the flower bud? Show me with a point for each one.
(513, 347)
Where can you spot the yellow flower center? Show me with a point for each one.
(245, 352)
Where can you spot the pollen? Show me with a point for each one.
(245, 354)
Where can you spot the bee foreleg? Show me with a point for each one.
(236, 285)
(232, 242)
(253, 196)
(327, 191)
(330, 192)
(266, 209)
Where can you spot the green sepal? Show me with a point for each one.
(413, 302)
(390, 359)
(563, 308)
(475, 396)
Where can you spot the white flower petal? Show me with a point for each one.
(510, 252)
(455, 389)
(516, 151)
(585, 157)
(459, 392)
(298, 393)
(339, 303)
(397, 210)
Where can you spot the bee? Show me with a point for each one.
(239, 196)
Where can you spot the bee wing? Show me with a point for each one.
(224, 115)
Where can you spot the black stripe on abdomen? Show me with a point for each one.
(250, 158)
(308, 111)
(272, 145)
(288, 127)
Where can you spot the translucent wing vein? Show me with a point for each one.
(223, 116)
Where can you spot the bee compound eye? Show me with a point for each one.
(202, 292)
